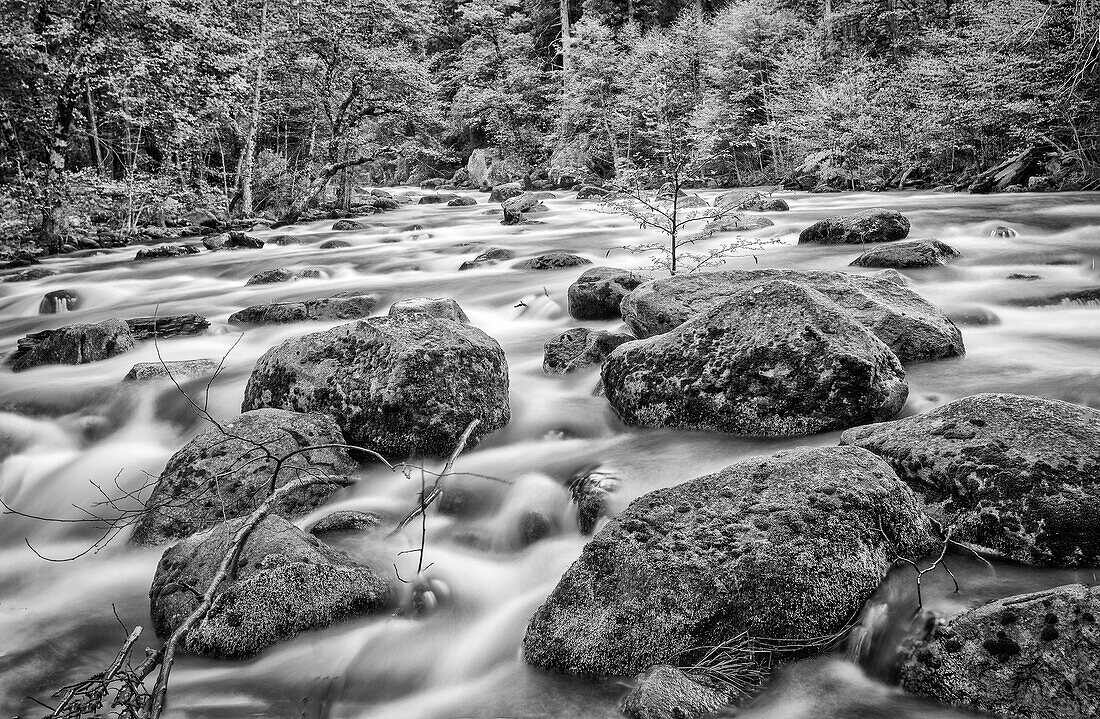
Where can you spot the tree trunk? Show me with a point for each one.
(563, 7)
(248, 166)
(93, 126)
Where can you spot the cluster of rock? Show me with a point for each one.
(405, 385)
(84, 343)
(772, 552)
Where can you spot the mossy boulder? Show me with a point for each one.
(74, 344)
(778, 359)
(783, 547)
(597, 292)
(406, 385)
(874, 225)
(579, 348)
(176, 369)
(1014, 474)
(912, 327)
(285, 582)
(911, 254)
(1024, 657)
(226, 472)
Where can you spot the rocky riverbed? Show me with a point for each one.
(763, 454)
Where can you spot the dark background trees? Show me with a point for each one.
(269, 105)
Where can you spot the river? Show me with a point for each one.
(66, 429)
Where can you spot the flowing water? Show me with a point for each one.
(66, 432)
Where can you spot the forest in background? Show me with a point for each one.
(126, 114)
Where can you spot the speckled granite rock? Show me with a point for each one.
(1026, 657)
(403, 385)
(778, 359)
(1015, 474)
(286, 582)
(785, 546)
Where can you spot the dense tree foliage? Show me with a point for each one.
(267, 105)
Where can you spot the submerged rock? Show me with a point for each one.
(441, 307)
(343, 306)
(665, 692)
(783, 547)
(463, 201)
(597, 293)
(1023, 657)
(1083, 297)
(282, 274)
(874, 225)
(552, 261)
(591, 490)
(910, 325)
(334, 244)
(59, 301)
(489, 257)
(579, 348)
(402, 386)
(167, 326)
(285, 582)
(226, 472)
(906, 255)
(972, 316)
(1014, 474)
(778, 359)
(74, 344)
(349, 225)
(345, 520)
(29, 275)
(178, 369)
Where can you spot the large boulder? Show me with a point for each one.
(776, 359)
(592, 192)
(442, 307)
(912, 327)
(552, 261)
(779, 547)
(579, 348)
(402, 386)
(343, 306)
(908, 255)
(227, 470)
(284, 582)
(597, 293)
(1014, 474)
(874, 225)
(74, 344)
(1024, 657)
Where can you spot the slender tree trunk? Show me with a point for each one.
(93, 126)
(248, 167)
(563, 7)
